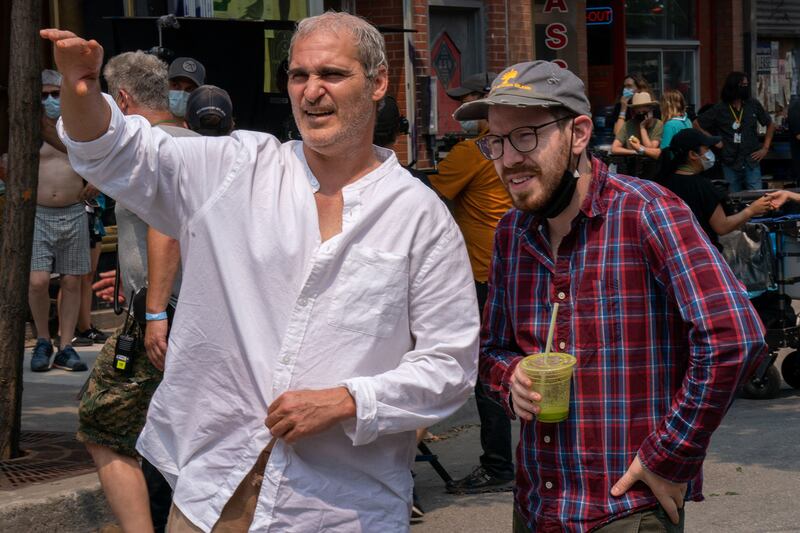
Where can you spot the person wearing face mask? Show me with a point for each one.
(735, 119)
(641, 135)
(632, 84)
(185, 75)
(472, 88)
(60, 239)
(689, 154)
(470, 182)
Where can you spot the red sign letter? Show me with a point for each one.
(561, 5)
(555, 36)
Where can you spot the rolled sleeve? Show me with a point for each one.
(364, 429)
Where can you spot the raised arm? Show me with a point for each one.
(85, 113)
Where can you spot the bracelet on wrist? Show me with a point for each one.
(152, 317)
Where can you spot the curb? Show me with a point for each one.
(72, 505)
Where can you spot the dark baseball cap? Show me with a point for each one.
(692, 139)
(531, 84)
(209, 111)
(477, 83)
(186, 67)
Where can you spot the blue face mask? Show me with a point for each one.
(708, 160)
(627, 93)
(177, 102)
(52, 107)
(470, 126)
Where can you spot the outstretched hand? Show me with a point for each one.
(77, 59)
(104, 287)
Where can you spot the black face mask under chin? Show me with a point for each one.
(562, 196)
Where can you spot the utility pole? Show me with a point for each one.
(21, 176)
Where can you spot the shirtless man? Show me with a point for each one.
(60, 237)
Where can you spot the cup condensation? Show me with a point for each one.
(551, 376)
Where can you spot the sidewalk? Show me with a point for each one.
(752, 476)
(752, 470)
(74, 504)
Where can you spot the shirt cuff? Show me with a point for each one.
(506, 389)
(364, 428)
(666, 464)
(103, 145)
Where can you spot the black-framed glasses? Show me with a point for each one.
(523, 139)
(54, 94)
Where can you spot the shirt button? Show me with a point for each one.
(548, 485)
(285, 360)
(561, 295)
(547, 441)
(302, 302)
(562, 345)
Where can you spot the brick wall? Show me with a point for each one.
(728, 42)
(520, 38)
(389, 14)
(501, 51)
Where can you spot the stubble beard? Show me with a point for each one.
(351, 125)
(548, 176)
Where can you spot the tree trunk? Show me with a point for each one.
(18, 213)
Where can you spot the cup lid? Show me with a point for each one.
(552, 362)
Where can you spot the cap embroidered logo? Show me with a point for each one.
(506, 81)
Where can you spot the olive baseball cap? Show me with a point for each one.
(531, 84)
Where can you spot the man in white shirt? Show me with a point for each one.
(324, 289)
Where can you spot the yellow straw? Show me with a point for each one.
(552, 329)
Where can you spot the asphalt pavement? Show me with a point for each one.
(752, 472)
(752, 476)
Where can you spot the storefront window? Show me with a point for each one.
(660, 19)
(665, 70)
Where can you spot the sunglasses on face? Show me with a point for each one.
(54, 94)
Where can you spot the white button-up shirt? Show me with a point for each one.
(387, 308)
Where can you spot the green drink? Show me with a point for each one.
(551, 376)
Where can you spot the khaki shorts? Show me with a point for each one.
(113, 409)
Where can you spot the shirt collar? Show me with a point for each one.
(387, 158)
(595, 203)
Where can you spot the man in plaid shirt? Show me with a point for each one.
(662, 331)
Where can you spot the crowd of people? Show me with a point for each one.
(302, 311)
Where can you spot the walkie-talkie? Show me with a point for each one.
(125, 348)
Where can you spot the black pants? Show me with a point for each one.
(495, 424)
(160, 495)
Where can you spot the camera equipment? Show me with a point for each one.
(164, 54)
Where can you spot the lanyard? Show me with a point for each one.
(737, 120)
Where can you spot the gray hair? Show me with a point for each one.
(51, 77)
(369, 42)
(141, 75)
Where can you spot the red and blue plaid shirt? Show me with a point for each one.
(662, 331)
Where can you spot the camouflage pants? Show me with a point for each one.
(113, 409)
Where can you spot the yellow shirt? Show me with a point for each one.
(479, 200)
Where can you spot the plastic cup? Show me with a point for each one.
(551, 376)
